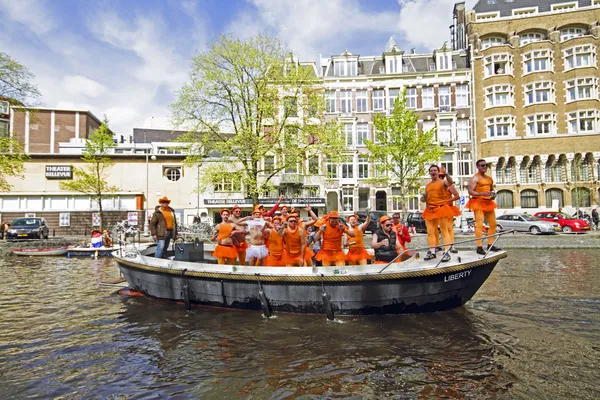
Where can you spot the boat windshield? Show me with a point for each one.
(529, 217)
(25, 222)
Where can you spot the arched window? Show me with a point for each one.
(530, 37)
(529, 198)
(554, 194)
(504, 199)
(580, 197)
(491, 41)
(579, 169)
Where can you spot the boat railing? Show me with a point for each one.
(496, 236)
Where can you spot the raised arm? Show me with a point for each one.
(364, 225)
(313, 216)
(271, 212)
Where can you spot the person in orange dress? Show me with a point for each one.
(481, 190)
(277, 254)
(357, 253)
(225, 251)
(294, 240)
(308, 252)
(331, 232)
(401, 230)
(240, 243)
(437, 211)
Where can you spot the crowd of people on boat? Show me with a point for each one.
(280, 237)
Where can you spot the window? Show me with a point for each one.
(348, 169)
(539, 60)
(491, 41)
(361, 101)
(362, 133)
(580, 169)
(290, 106)
(582, 121)
(554, 194)
(393, 93)
(540, 124)
(499, 95)
(427, 96)
(311, 191)
(580, 57)
(345, 67)
(348, 199)
(448, 163)
(444, 98)
(443, 61)
(562, 7)
(445, 131)
(499, 127)
(313, 165)
(346, 101)
(331, 169)
(172, 173)
(539, 92)
(269, 164)
(363, 167)
(393, 64)
(465, 161)
(348, 134)
(462, 96)
(497, 64)
(227, 183)
(570, 33)
(428, 125)
(463, 130)
(378, 100)
(523, 12)
(4, 131)
(3, 107)
(581, 197)
(553, 171)
(411, 98)
(531, 37)
(529, 198)
(582, 89)
(504, 199)
(528, 172)
(330, 101)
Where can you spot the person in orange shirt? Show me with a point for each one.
(277, 254)
(401, 231)
(357, 253)
(437, 211)
(481, 190)
(331, 232)
(240, 243)
(225, 251)
(163, 227)
(294, 240)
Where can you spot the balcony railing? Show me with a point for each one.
(292, 179)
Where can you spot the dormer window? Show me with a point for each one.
(530, 37)
(443, 61)
(492, 41)
(345, 67)
(570, 33)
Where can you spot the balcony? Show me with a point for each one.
(292, 179)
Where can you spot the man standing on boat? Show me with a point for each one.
(294, 239)
(481, 190)
(225, 251)
(332, 232)
(240, 236)
(163, 226)
(256, 227)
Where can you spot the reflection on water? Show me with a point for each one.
(531, 332)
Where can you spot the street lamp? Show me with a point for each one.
(147, 194)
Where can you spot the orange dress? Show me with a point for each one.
(331, 244)
(455, 210)
(356, 248)
(483, 203)
(224, 251)
(293, 241)
(277, 253)
(436, 201)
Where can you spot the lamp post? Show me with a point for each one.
(198, 190)
(147, 194)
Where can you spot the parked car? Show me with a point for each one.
(362, 217)
(28, 228)
(526, 223)
(567, 223)
(415, 219)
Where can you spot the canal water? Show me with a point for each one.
(532, 331)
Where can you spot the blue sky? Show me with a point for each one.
(126, 59)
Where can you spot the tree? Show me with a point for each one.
(16, 82)
(91, 179)
(401, 151)
(248, 101)
(12, 161)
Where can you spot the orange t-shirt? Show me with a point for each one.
(168, 215)
(225, 230)
(293, 241)
(359, 239)
(484, 185)
(436, 193)
(332, 238)
(275, 243)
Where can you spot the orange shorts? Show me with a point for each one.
(434, 212)
(294, 259)
(308, 254)
(225, 252)
(358, 253)
(330, 255)
(485, 205)
(274, 260)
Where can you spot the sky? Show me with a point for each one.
(126, 59)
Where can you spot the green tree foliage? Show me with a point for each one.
(12, 162)
(16, 82)
(91, 179)
(401, 152)
(247, 100)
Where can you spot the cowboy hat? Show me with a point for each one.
(164, 199)
(236, 206)
(334, 214)
(223, 210)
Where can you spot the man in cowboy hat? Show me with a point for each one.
(163, 226)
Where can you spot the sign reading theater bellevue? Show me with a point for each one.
(59, 172)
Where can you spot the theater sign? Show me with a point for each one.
(59, 172)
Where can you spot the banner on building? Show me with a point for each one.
(64, 219)
(59, 172)
(132, 218)
(95, 219)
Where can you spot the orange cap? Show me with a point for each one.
(223, 210)
(334, 214)
(383, 219)
(350, 216)
(236, 206)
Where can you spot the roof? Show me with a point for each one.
(149, 135)
(506, 6)
(91, 114)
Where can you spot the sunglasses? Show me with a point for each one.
(292, 220)
(396, 217)
(389, 225)
(483, 165)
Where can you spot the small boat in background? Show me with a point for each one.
(51, 251)
(95, 252)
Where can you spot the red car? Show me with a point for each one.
(567, 223)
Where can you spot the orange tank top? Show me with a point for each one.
(436, 193)
(225, 230)
(275, 243)
(332, 238)
(293, 241)
(484, 184)
(357, 242)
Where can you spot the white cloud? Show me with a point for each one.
(77, 84)
(34, 14)
(438, 16)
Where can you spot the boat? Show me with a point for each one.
(75, 251)
(51, 251)
(410, 286)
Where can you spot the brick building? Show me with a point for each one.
(536, 107)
